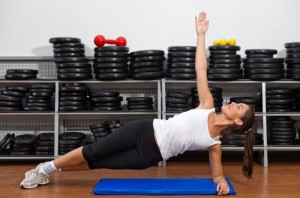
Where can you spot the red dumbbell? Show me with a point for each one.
(100, 40)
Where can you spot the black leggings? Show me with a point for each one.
(132, 146)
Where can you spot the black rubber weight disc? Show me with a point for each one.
(73, 89)
(181, 65)
(22, 71)
(72, 45)
(107, 99)
(12, 93)
(72, 136)
(111, 49)
(111, 76)
(72, 108)
(17, 89)
(280, 91)
(182, 54)
(111, 54)
(70, 59)
(227, 48)
(110, 60)
(293, 50)
(10, 98)
(293, 55)
(73, 76)
(147, 58)
(37, 108)
(264, 71)
(259, 56)
(224, 66)
(73, 65)
(263, 66)
(139, 99)
(147, 53)
(62, 55)
(74, 70)
(181, 60)
(182, 49)
(25, 139)
(263, 77)
(148, 75)
(182, 76)
(224, 71)
(263, 60)
(225, 56)
(106, 108)
(224, 61)
(176, 94)
(104, 94)
(224, 76)
(149, 69)
(292, 45)
(181, 70)
(292, 60)
(64, 40)
(216, 52)
(20, 76)
(68, 50)
(4, 141)
(261, 51)
(96, 71)
(110, 65)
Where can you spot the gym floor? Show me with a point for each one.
(280, 179)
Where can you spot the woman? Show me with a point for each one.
(141, 144)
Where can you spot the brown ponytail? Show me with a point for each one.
(248, 155)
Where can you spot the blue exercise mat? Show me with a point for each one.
(158, 186)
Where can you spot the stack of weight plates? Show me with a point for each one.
(44, 144)
(177, 101)
(254, 101)
(280, 100)
(114, 125)
(224, 63)
(21, 74)
(73, 97)
(39, 97)
(239, 139)
(6, 140)
(282, 131)
(11, 98)
(292, 60)
(100, 130)
(259, 64)
(181, 62)
(105, 101)
(69, 141)
(111, 63)
(23, 144)
(69, 56)
(297, 99)
(147, 64)
(140, 103)
(217, 96)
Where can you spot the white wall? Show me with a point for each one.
(27, 25)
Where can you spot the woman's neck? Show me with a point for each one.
(216, 124)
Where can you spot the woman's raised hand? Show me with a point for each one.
(201, 23)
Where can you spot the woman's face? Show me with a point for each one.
(235, 110)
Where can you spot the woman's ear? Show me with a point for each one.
(238, 122)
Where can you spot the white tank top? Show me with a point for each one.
(187, 131)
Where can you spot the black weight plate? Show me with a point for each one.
(38, 97)
(264, 71)
(110, 66)
(147, 59)
(74, 76)
(181, 65)
(226, 47)
(45, 153)
(26, 108)
(291, 141)
(17, 89)
(225, 56)
(46, 136)
(10, 104)
(292, 60)
(111, 54)
(74, 70)
(25, 139)
(63, 55)
(72, 65)
(260, 51)
(141, 103)
(19, 76)
(182, 54)
(246, 100)
(293, 50)
(182, 49)
(280, 101)
(106, 104)
(219, 52)
(64, 40)
(225, 66)
(147, 53)
(224, 71)
(19, 149)
(292, 71)
(263, 60)
(42, 86)
(283, 129)
(263, 66)
(111, 49)
(38, 105)
(72, 103)
(110, 60)
(177, 105)
(293, 76)
(101, 134)
(73, 89)
(22, 71)
(139, 99)
(292, 45)
(130, 107)
(44, 148)
(41, 94)
(111, 76)
(280, 91)
(281, 125)
(44, 143)
(273, 136)
(20, 153)
(177, 100)
(71, 59)
(278, 96)
(290, 122)
(72, 108)
(224, 76)
(293, 55)
(41, 90)
(66, 45)
(72, 98)
(148, 75)
(280, 110)
(147, 69)
(107, 99)
(10, 109)
(72, 136)
(181, 70)
(182, 76)
(73, 94)
(67, 142)
(104, 94)
(5, 141)
(106, 108)
(224, 61)
(96, 71)
(180, 95)
(264, 77)
(68, 50)
(181, 60)
(283, 106)
(259, 56)
(99, 125)
(174, 109)
(12, 93)
(10, 98)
